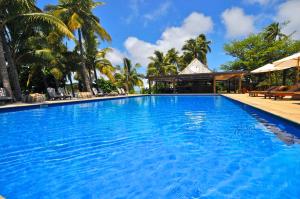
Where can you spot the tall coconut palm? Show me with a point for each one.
(204, 47)
(28, 12)
(196, 49)
(173, 58)
(78, 15)
(104, 65)
(49, 57)
(128, 76)
(156, 65)
(273, 32)
(163, 65)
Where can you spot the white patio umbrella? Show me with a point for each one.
(264, 69)
(289, 62)
(268, 68)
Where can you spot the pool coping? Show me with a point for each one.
(295, 122)
(27, 106)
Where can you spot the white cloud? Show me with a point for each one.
(172, 37)
(139, 50)
(160, 11)
(289, 12)
(237, 22)
(115, 56)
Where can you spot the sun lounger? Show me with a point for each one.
(277, 89)
(63, 93)
(4, 97)
(113, 93)
(123, 91)
(120, 91)
(256, 93)
(98, 93)
(52, 94)
(294, 90)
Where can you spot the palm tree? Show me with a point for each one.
(26, 10)
(163, 65)
(191, 47)
(273, 32)
(196, 49)
(77, 14)
(49, 56)
(156, 66)
(128, 76)
(173, 58)
(204, 47)
(104, 65)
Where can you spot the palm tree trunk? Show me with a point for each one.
(90, 73)
(45, 82)
(13, 73)
(71, 84)
(83, 69)
(3, 70)
(95, 74)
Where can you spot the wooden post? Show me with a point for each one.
(229, 89)
(297, 72)
(240, 84)
(234, 84)
(284, 77)
(214, 85)
(149, 82)
(174, 86)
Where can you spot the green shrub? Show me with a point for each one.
(106, 85)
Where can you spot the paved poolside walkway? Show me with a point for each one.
(287, 108)
(21, 104)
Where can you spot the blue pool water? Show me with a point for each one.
(148, 147)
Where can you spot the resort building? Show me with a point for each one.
(197, 78)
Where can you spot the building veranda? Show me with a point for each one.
(197, 78)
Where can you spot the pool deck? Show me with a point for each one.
(77, 100)
(287, 108)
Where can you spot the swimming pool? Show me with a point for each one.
(148, 147)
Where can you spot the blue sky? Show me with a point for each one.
(138, 27)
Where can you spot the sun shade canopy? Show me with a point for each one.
(288, 62)
(266, 68)
(270, 67)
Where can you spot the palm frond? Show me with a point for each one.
(50, 19)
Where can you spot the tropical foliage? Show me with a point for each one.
(172, 62)
(77, 14)
(107, 86)
(128, 76)
(34, 43)
(196, 48)
(260, 49)
(18, 21)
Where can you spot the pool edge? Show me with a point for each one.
(62, 103)
(263, 110)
